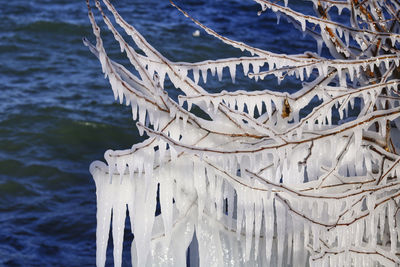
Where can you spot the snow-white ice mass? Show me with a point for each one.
(266, 180)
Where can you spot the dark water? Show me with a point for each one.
(57, 113)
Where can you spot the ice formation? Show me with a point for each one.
(265, 181)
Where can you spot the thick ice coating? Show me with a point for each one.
(269, 178)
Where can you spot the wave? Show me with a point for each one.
(53, 27)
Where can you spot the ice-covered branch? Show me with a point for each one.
(264, 174)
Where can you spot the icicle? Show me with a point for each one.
(200, 185)
(387, 62)
(341, 76)
(357, 138)
(319, 46)
(259, 107)
(111, 164)
(302, 23)
(166, 197)
(278, 17)
(256, 68)
(210, 251)
(196, 75)
(346, 38)
(189, 103)
(219, 198)
(392, 227)
(183, 73)
(240, 104)
(308, 71)
(173, 152)
(118, 220)
(120, 94)
(281, 229)
(239, 214)
(121, 166)
(269, 227)
(382, 126)
(204, 74)
(257, 221)
(289, 232)
(298, 249)
(339, 31)
(306, 235)
(142, 114)
(104, 205)
(359, 233)
(151, 69)
(249, 221)
(245, 65)
(301, 73)
(161, 76)
(134, 109)
(215, 103)
(213, 70)
(316, 234)
(230, 197)
(324, 68)
(219, 72)
(351, 72)
(250, 107)
(211, 187)
(382, 216)
(162, 147)
(268, 106)
(145, 205)
(232, 71)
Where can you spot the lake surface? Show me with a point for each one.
(57, 113)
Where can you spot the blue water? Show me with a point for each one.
(57, 113)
